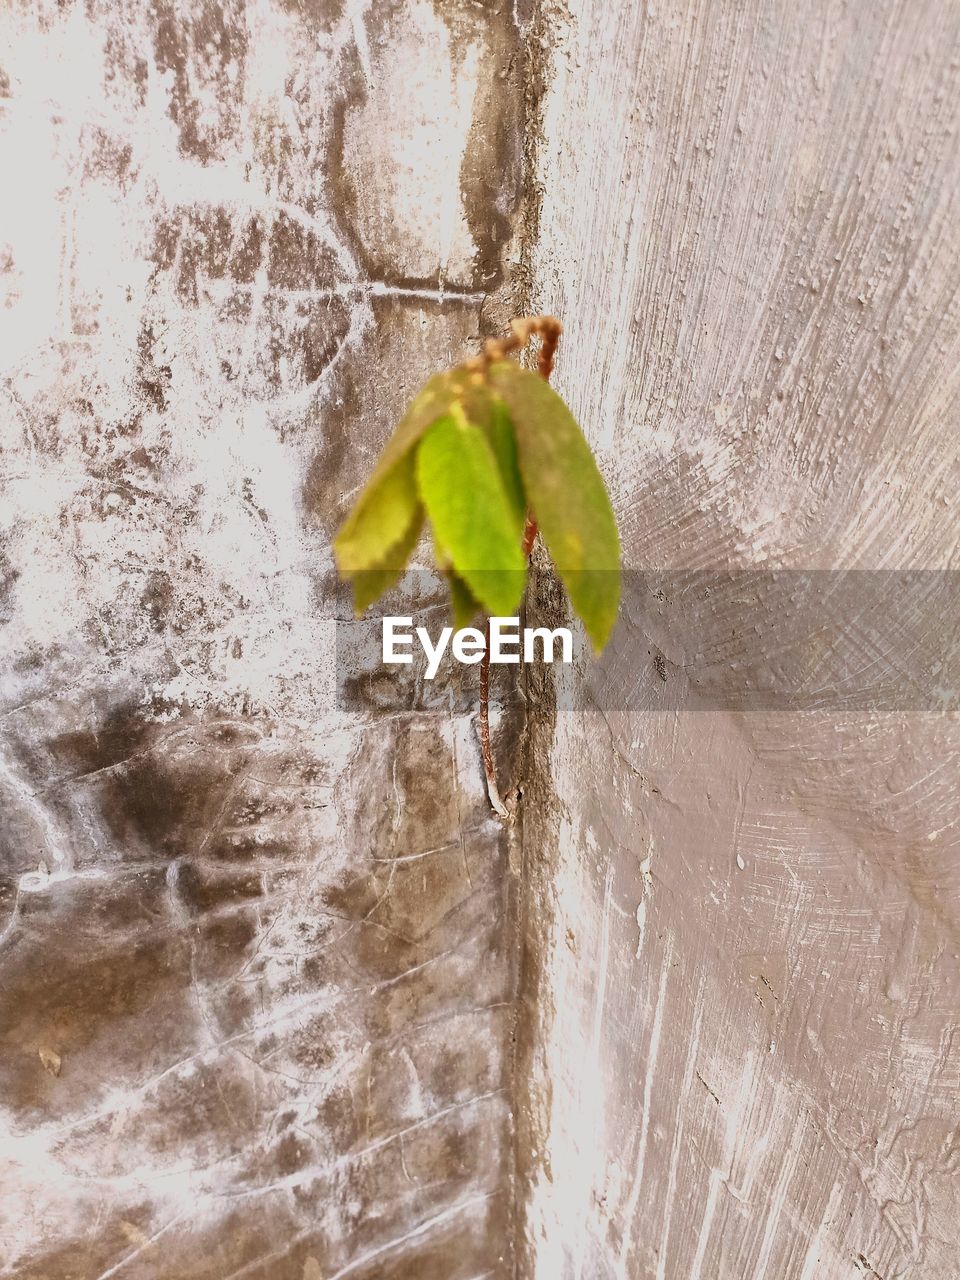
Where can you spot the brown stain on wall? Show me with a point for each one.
(203, 49)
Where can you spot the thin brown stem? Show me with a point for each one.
(549, 330)
(529, 535)
(486, 747)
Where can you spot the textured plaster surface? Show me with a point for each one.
(256, 957)
(261, 947)
(747, 1059)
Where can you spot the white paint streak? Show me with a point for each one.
(789, 1159)
(591, 1091)
(721, 1175)
(630, 1208)
(686, 1085)
(647, 882)
(813, 1258)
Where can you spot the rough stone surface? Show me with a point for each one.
(256, 954)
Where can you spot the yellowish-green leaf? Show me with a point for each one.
(380, 520)
(462, 603)
(371, 583)
(500, 435)
(567, 495)
(490, 414)
(431, 402)
(385, 510)
(464, 495)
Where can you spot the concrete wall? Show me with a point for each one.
(257, 959)
(747, 1064)
(278, 998)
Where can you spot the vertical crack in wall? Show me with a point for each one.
(544, 605)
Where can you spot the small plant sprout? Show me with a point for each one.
(490, 455)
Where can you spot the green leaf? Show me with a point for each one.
(385, 510)
(465, 607)
(380, 520)
(431, 402)
(489, 413)
(369, 584)
(462, 603)
(465, 499)
(500, 435)
(567, 495)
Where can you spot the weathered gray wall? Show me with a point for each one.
(278, 999)
(257, 958)
(748, 1062)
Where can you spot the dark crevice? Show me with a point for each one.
(543, 606)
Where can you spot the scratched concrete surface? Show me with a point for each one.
(278, 999)
(749, 994)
